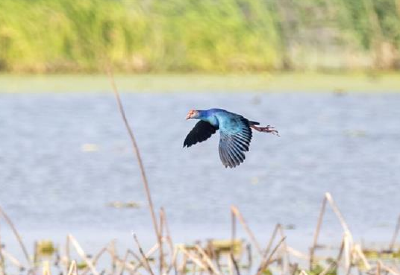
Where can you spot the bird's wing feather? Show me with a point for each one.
(234, 141)
(201, 131)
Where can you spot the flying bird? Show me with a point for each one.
(235, 133)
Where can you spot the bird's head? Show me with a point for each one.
(193, 114)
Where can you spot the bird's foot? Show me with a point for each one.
(267, 129)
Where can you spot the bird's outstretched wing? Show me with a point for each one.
(234, 141)
(201, 131)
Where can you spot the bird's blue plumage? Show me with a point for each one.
(235, 134)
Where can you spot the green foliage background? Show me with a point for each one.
(198, 35)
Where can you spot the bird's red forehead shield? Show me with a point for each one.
(190, 114)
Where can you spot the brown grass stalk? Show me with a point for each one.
(2, 271)
(168, 238)
(17, 236)
(136, 151)
(182, 267)
(388, 269)
(316, 233)
(271, 240)
(239, 215)
(266, 260)
(145, 260)
(335, 263)
(173, 263)
(46, 268)
(195, 259)
(82, 254)
(348, 236)
(112, 251)
(72, 269)
(208, 260)
(395, 234)
(13, 260)
(235, 264)
(124, 263)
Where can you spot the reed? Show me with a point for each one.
(199, 259)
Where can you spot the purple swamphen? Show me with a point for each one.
(235, 133)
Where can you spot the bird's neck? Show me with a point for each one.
(208, 115)
(203, 114)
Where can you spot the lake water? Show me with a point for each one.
(65, 157)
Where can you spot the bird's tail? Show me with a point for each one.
(253, 123)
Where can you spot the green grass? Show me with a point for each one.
(265, 82)
(49, 36)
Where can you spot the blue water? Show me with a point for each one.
(50, 185)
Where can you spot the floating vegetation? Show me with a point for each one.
(226, 246)
(385, 254)
(120, 204)
(89, 147)
(44, 248)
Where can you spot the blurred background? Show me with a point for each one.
(324, 73)
(210, 36)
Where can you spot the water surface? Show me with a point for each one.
(64, 157)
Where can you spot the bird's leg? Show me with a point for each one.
(267, 129)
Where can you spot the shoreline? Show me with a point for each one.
(166, 83)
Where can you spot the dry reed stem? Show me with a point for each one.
(208, 260)
(173, 262)
(397, 228)
(82, 254)
(348, 236)
(112, 251)
(46, 268)
(230, 265)
(13, 259)
(133, 254)
(284, 244)
(131, 268)
(96, 258)
(146, 261)
(136, 152)
(338, 213)
(357, 249)
(161, 234)
(182, 268)
(147, 255)
(388, 269)
(378, 268)
(233, 233)
(239, 215)
(266, 261)
(335, 263)
(316, 233)
(298, 254)
(2, 272)
(72, 268)
(347, 251)
(124, 263)
(235, 265)
(163, 216)
(194, 258)
(18, 237)
(67, 253)
(249, 256)
(271, 240)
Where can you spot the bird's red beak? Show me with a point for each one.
(190, 114)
